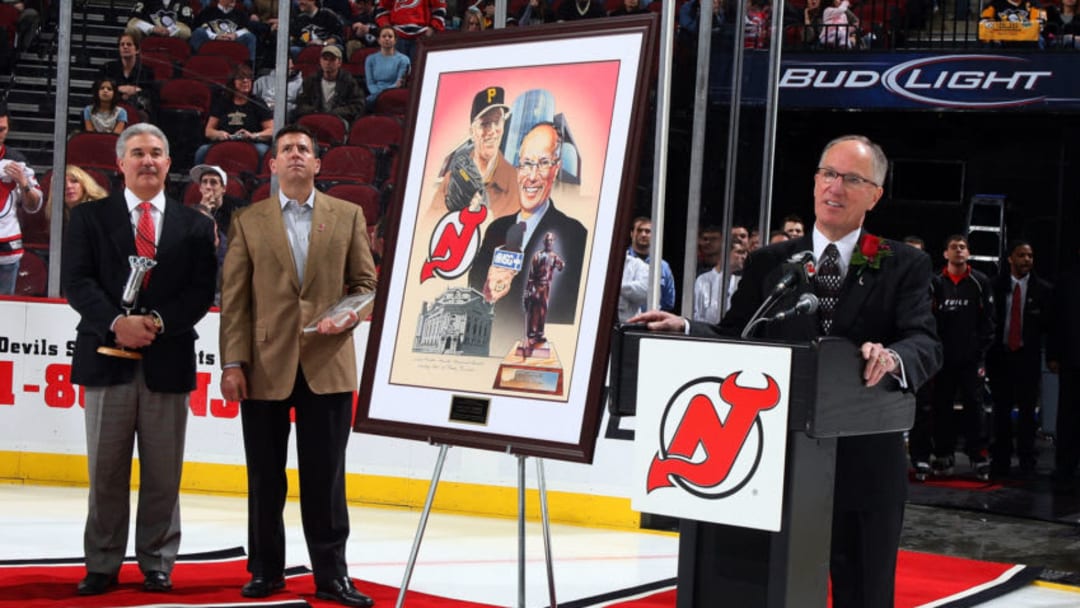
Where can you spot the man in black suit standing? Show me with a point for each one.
(143, 400)
(1022, 305)
(538, 167)
(873, 292)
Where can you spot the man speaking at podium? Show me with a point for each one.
(873, 292)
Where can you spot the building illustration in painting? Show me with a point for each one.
(458, 322)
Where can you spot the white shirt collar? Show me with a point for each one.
(284, 200)
(845, 245)
(133, 201)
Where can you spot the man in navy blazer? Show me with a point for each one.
(144, 400)
(884, 308)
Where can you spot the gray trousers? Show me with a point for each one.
(117, 416)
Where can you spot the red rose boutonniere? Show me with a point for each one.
(871, 250)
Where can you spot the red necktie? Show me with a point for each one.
(1016, 319)
(144, 236)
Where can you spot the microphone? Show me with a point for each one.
(506, 263)
(800, 267)
(806, 305)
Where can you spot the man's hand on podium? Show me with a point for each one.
(879, 361)
(658, 320)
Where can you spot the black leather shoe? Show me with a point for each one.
(342, 591)
(96, 583)
(261, 586)
(157, 582)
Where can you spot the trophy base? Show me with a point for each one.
(119, 352)
(539, 372)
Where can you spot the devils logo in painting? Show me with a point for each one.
(711, 436)
(454, 243)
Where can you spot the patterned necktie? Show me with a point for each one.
(1016, 320)
(827, 284)
(145, 236)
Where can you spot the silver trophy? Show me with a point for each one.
(139, 267)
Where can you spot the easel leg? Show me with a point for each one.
(422, 525)
(546, 526)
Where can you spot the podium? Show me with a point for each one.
(725, 562)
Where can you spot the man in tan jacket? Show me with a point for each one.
(290, 258)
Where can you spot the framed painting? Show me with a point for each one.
(505, 240)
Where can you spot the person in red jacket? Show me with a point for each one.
(412, 19)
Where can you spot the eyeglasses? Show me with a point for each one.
(850, 179)
(542, 164)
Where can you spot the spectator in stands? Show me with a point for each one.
(212, 181)
(103, 115)
(755, 241)
(411, 20)
(170, 18)
(710, 247)
(536, 12)
(793, 226)
(26, 27)
(574, 10)
(220, 247)
(777, 236)
(640, 246)
(386, 69)
(1062, 25)
(314, 26)
(264, 90)
(18, 188)
(629, 7)
(363, 32)
(634, 290)
(758, 15)
(79, 188)
(224, 21)
(839, 26)
(740, 234)
(689, 18)
(238, 115)
(1013, 12)
(812, 23)
(134, 82)
(707, 287)
(474, 20)
(915, 242)
(331, 90)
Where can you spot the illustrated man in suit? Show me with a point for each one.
(143, 400)
(290, 258)
(524, 231)
(885, 310)
(1022, 318)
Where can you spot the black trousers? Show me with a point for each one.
(971, 422)
(323, 425)
(1014, 382)
(920, 438)
(862, 563)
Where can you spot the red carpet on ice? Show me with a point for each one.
(213, 580)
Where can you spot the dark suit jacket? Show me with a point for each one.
(570, 238)
(95, 268)
(889, 305)
(1037, 312)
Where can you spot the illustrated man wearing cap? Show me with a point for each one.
(476, 172)
(212, 181)
(331, 90)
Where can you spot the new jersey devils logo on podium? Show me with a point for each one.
(711, 436)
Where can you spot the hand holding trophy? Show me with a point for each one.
(139, 267)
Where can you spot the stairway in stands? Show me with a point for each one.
(31, 96)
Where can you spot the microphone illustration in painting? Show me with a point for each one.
(806, 305)
(505, 264)
(139, 267)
